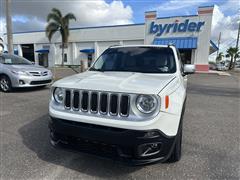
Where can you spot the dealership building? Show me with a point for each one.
(190, 34)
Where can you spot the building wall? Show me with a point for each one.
(97, 38)
(92, 34)
(200, 55)
(51, 56)
(82, 56)
(133, 42)
(111, 33)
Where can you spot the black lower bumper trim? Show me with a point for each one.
(132, 146)
(40, 82)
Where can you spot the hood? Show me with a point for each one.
(27, 68)
(126, 82)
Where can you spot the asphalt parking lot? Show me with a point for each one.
(211, 138)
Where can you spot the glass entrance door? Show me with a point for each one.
(186, 55)
(43, 59)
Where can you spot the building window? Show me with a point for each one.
(90, 57)
(65, 46)
(186, 55)
(65, 57)
(46, 47)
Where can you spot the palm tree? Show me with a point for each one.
(219, 57)
(233, 53)
(57, 22)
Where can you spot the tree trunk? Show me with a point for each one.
(231, 62)
(234, 63)
(62, 54)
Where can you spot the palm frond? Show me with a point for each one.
(51, 29)
(67, 18)
(56, 22)
(54, 17)
(57, 11)
(70, 16)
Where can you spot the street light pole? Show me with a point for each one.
(238, 34)
(235, 57)
(219, 41)
(9, 26)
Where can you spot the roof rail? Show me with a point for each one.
(171, 44)
(114, 45)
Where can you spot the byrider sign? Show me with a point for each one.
(185, 26)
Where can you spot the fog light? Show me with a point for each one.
(149, 149)
(21, 82)
(151, 134)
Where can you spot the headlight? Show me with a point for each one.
(20, 73)
(49, 72)
(146, 103)
(58, 95)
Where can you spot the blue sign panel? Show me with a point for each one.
(185, 26)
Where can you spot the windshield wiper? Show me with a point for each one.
(94, 69)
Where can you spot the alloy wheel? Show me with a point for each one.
(4, 84)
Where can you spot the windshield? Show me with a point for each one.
(13, 60)
(136, 59)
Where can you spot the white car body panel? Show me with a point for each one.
(128, 82)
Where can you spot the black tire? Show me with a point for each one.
(5, 83)
(177, 151)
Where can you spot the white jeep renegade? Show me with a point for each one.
(129, 105)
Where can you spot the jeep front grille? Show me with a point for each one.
(68, 99)
(104, 103)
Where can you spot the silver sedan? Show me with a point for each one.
(16, 71)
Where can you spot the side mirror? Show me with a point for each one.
(189, 69)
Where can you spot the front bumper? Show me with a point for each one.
(31, 81)
(116, 143)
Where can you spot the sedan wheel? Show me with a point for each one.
(5, 84)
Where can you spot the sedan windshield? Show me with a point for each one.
(13, 60)
(136, 59)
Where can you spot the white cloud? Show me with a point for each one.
(227, 25)
(99, 12)
(31, 15)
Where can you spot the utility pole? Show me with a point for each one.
(235, 57)
(9, 25)
(238, 34)
(219, 41)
